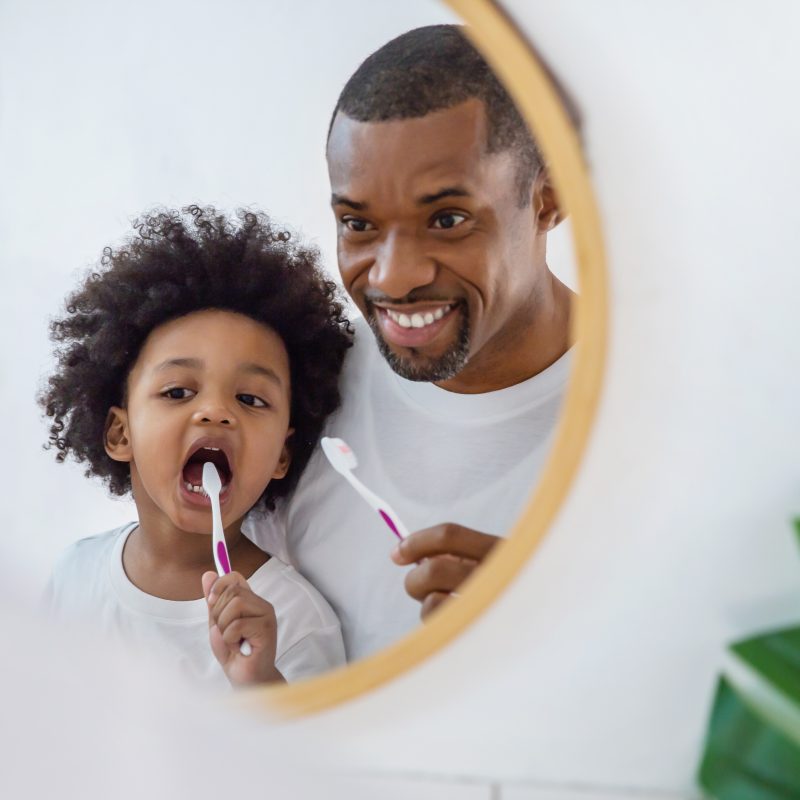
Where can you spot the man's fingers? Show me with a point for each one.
(437, 574)
(447, 538)
(432, 602)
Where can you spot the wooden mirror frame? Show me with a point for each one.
(514, 61)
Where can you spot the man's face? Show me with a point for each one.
(210, 386)
(433, 245)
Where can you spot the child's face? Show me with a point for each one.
(211, 379)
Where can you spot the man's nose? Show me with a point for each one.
(400, 266)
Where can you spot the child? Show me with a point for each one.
(199, 340)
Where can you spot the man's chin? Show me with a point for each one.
(417, 366)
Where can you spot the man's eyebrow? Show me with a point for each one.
(450, 191)
(192, 363)
(341, 200)
(259, 369)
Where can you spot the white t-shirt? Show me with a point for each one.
(89, 587)
(435, 456)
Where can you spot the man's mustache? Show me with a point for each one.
(374, 298)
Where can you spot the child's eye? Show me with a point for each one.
(178, 393)
(252, 400)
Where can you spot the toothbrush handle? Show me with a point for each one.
(385, 511)
(222, 560)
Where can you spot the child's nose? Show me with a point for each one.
(214, 415)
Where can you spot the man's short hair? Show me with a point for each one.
(436, 67)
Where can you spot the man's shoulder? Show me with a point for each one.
(292, 594)
(363, 366)
(364, 349)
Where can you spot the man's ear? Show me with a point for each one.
(117, 437)
(286, 457)
(545, 202)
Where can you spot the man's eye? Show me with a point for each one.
(357, 225)
(178, 393)
(448, 220)
(251, 400)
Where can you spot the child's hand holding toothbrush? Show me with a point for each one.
(235, 613)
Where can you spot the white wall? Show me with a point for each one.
(109, 109)
(595, 669)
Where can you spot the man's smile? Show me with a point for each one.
(416, 325)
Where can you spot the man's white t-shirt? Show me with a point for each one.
(89, 587)
(435, 456)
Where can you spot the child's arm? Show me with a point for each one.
(235, 612)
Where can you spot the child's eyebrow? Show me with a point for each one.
(196, 363)
(192, 363)
(259, 369)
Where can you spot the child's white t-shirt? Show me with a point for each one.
(89, 587)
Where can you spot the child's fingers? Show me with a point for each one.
(219, 648)
(252, 629)
(223, 591)
(220, 584)
(231, 597)
(246, 605)
(233, 634)
(208, 580)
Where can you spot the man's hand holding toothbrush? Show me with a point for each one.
(445, 555)
(237, 613)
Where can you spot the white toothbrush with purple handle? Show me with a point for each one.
(344, 461)
(212, 486)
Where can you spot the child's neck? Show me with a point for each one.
(167, 562)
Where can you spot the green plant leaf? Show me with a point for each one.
(745, 757)
(776, 657)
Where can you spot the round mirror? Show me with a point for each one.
(234, 111)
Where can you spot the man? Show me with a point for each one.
(442, 208)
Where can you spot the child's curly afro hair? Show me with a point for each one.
(178, 262)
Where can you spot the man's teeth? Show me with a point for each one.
(417, 320)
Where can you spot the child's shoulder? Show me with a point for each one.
(84, 562)
(79, 583)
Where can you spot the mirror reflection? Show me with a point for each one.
(211, 332)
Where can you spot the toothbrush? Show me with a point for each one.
(212, 486)
(344, 461)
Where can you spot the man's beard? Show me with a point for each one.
(445, 367)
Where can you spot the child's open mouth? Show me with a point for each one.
(192, 475)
